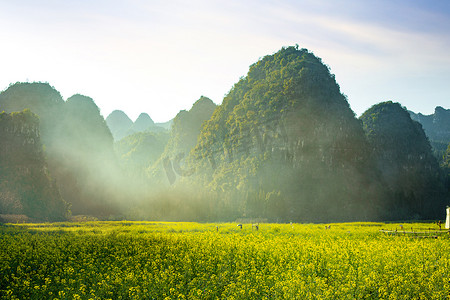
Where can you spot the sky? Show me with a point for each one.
(159, 57)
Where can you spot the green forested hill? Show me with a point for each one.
(78, 144)
(285, 145)
(186, 127)
(41, 99)
(184, 133)
(91, 130)
(139, 151)
(25, 184)
(85, 153)
(403, 156)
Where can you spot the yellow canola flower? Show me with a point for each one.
(141, 260)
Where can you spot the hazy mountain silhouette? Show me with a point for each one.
(403, 156)
(119, 124)
(437, 129)
(78, 144)
(142, 123)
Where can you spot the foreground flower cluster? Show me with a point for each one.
(129, 260)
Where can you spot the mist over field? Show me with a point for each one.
(283, 146)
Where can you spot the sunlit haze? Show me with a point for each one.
(159, 57)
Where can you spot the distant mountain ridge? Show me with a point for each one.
(436, 127)
(118, 123)
(122, 126)
(143, 123)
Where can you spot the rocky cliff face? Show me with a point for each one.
(19, 133)
(25, 185)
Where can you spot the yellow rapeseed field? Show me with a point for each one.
(145, 260)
